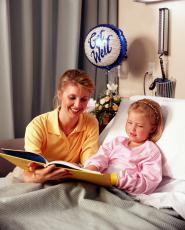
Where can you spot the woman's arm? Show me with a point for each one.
(35, 140)
(90, 143)
(35, 136)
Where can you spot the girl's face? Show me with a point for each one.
(138, 127)
(74, 99)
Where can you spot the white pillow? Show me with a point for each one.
(172, 141)
(117, 126)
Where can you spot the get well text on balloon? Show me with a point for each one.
(100, 45)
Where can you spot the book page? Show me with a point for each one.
(70, 165)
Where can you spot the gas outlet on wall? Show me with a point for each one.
(151, 67)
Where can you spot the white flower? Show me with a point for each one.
(102, 101)
(107, 92)
(112, 87)
(106, 106)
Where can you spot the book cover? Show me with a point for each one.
(22, 158)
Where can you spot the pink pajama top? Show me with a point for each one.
(139, 168)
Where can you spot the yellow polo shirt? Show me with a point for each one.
(44, 136)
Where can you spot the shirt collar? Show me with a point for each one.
(80, 126)
(53, 123)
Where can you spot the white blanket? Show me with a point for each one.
(170, 194)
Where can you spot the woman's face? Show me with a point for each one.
(138, 127)
(74, 99)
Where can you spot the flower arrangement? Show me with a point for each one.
(107, 106)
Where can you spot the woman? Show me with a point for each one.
(66, 133)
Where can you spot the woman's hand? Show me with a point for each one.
(35, 174)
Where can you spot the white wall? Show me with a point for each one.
(139, 22)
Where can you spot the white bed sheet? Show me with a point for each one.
(169, 194)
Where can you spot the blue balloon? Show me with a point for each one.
(105, 46)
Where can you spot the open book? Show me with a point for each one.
(22, 158)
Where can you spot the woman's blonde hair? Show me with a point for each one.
(74, 77)
(152, 110)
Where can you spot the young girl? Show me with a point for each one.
(136, 159)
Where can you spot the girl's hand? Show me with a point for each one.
(36, 174)
(91, 167)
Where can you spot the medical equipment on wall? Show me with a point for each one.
(163, 31)
(164, 86)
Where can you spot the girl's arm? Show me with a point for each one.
(100, 161)
(144, 178)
